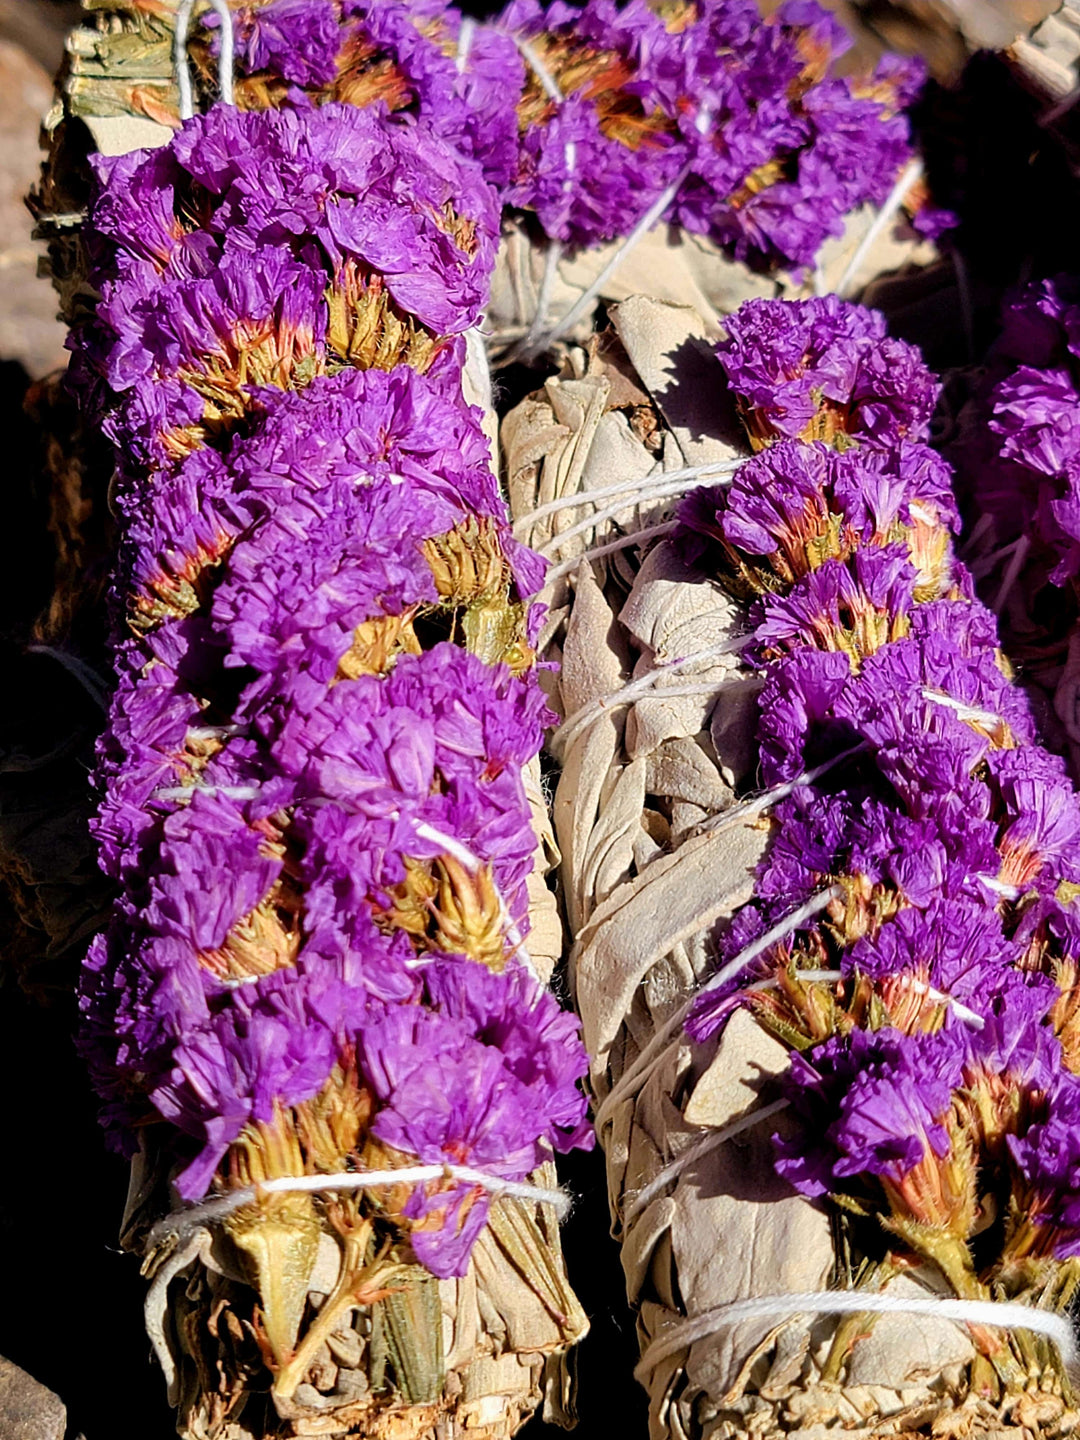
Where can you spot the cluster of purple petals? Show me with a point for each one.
(214, 257)
(874, 648)
(767, 150)
(788, 363)
(262, 803)
(1021, 458)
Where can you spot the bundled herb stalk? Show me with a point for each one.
(591, 123)
(314, 806)
(826, 952)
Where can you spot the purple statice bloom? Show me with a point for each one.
(1037, 414)
(777, 154)
(840, 606)
(385, 425)
(906, 483)
(208, 323)
(331, 185)
(135, 229)
(957, 947)
(1047, 1161)
(1020, 452)
(892, 1116)
(271, 1047)
(813, 1087)
(435, 747)
(1040, 825)
(780, 503)
(1015, 1058)
(417, 38)
(140, 752)
(136, 996)
(925, 752)
(464, 85)
(540, 1043)
(1052, 921)
(296, 39)
(785, 359)
(447, 1097)
(490, 81)
(1040, 323)
(852, 835)
(365, 187)
(894, 700)
(867, 1104)
(257, 319)
(213, 869)
(933, 221)
(795, 712)
(312, 572)
(574, 168)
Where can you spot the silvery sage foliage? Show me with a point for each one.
(311, 779)
(931, 1009)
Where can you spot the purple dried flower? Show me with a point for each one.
(1047, 1161)
(881, 1099)
(296, 39)
(1037, 412)
(458, 1086)
(809, 369)
(319, 826)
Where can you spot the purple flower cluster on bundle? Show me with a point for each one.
(262, 249)
(312, 786)
(815, 368)
(1022, 458)
(942, 1067)
(587, 115)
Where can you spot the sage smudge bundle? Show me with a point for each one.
(823, 899)
(314, 1016)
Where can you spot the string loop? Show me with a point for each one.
(1000, 1314)
(226, 55)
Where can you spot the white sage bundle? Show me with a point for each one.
(774, 1294)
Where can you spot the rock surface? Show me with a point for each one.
(29, 330)
(28, 1411)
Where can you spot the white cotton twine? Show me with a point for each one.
(998, 1314)
(182, 1222)
(180, 55)
(464, 42)
(644, 225)
(644, 1197)
(662, 486)
(634, 491)
(551, 89)
(636, 689)
(912, 172)
(610, 547)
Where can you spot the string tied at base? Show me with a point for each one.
(182, 1223)
(995, 1314)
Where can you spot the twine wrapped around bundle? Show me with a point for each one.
(732, 1274)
